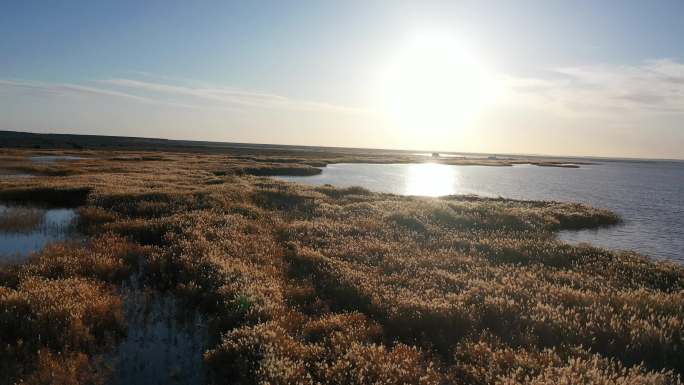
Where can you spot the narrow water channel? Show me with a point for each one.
(165, 342)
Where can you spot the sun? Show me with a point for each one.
(436, 83)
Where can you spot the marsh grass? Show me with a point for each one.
(282, 170)
(67, 369)
(48, 196)
(343, 286)
(258, 169)
(54, 315)
(20, 219)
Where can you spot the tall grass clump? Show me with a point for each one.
(54, 315)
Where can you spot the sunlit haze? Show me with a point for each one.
(435, 86)
(535, 77)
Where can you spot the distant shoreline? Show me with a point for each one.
(64, 143)
(40, 141)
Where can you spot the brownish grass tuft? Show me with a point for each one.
(72, 314)
(20, 219)
(108, 258)
(66, 369)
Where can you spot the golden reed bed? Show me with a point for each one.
(306, 285)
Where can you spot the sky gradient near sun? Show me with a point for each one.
(603, 78)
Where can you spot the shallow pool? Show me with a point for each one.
(25, 229)
(165, 342)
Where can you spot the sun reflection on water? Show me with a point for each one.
(430, 179)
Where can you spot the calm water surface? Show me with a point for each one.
(25, 230)
(53, 158)
(164, 344)
(649, 196)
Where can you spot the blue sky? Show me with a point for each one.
(580, 77)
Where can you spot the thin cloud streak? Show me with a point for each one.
(63, 89)
(230, 96)
(176, 96)
(653, 87)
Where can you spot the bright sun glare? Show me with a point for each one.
(430, 179)
(436, 83)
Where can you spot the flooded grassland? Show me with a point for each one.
(198, 268)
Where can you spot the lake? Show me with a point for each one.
(648, 195)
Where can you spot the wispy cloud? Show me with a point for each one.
(227, 97)
(40, 89)
(175, 95)
(653, 87)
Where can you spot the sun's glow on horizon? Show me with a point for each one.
(430, 179)
(436, 84)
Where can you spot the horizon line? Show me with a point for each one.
(602, 157)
